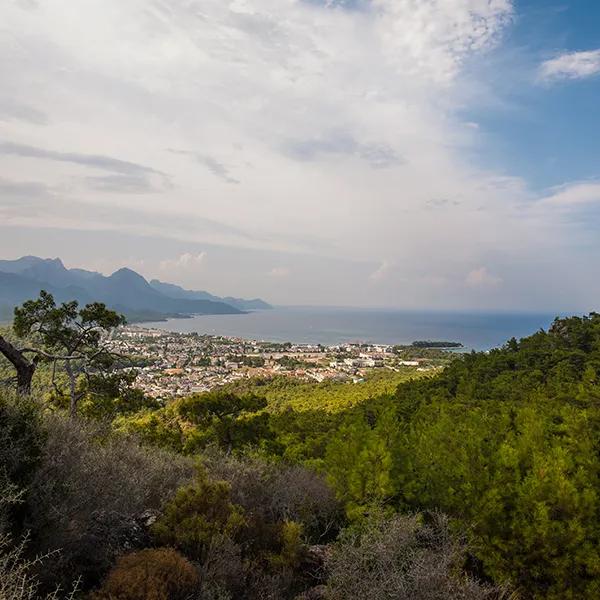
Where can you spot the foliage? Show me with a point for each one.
(196, 515)
(292, 545)
(162, 428)
(277, 492)
(405, 558)
(360, 462)
(21, 438)
(286, 393)
(435, 344)
(88, 496)
(233, 544)
(231, 420)
(222, 418)
(70, 337)
(506, 443)
(304, 415)
(150, 574)
(113, 394)
(21, 443)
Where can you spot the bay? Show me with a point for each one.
(327, 325)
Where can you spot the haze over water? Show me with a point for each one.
(324, 325)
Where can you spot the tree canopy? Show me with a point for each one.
(69, 338)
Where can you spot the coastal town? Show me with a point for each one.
(172, 364)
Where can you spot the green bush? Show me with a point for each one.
(196, 515)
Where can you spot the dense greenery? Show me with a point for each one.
(285, 417)
(328, 488)
(436, 344)
(505, 442)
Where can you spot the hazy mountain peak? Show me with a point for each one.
(124, 290)
(126, 273)
(19, 265)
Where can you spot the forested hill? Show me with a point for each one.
(554, 364)
(508, 443)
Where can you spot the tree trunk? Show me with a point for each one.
(25, 368)
(24, 377)
(72, 389)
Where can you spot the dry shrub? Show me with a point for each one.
(151, 574)
(278, 492)
(17, 574)
(285, 507)
(404, 558)
(16, 582)
(89, 493)
(21, 442)
(223, 571)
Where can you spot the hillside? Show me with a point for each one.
(285, 393)
(504, 442)
(501, 446)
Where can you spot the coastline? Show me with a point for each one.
(329, 326)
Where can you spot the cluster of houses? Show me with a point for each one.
(172, 364)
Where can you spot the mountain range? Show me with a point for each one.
(125, 291)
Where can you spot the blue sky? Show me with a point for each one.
(547, 132)
(416, 153)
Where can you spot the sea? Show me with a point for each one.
(330, 326)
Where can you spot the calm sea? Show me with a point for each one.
(479, 331)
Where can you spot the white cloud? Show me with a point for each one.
(481, 277)
(185, 261)
(266, 93)
(382, 271)
(309, 134)
(279, 272)
(571, 65)
(573, 195)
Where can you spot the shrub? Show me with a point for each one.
(15, 580)
(88, 495)
(197, 514)
(292, 546)
(249, 555)
(404, 558)
(21, 441)
(277, 492)
(17, 574)
(223, 571)
(150, 574)
(284, 507)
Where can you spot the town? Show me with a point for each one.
(172, 364)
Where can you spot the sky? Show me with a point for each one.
(434, 154)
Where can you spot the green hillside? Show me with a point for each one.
(286, 393)
(495, 460)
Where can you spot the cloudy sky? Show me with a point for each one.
(406, 153)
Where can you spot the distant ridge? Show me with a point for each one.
(176, 291)
(124, 290)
